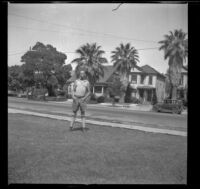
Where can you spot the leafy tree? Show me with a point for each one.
(91, 58)
(128, 95)
(40, 63)
(115, 87)
(125, 57)
(63, 74)
(15, 78)
(52, 83)
(175, 47)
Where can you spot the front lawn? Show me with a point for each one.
(42, 150)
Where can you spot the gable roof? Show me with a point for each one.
(137, 67)
(108, 71)
(148, 69)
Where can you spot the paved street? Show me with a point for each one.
(114, 114)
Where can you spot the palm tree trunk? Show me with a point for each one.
(174, 92)
(123, 79)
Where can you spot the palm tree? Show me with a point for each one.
(168, 84)
(91, 59)
(125, 57)
(175, 48)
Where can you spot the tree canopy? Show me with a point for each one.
(126, 57)
(91, 58)
(175, 47)
(42, 64)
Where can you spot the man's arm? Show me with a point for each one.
(88, 92)
(73, 87)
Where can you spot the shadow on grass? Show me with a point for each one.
(80, 129)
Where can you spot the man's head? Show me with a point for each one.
(82, 74)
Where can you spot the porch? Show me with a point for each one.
(145, 94)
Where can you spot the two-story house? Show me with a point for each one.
(147, 82)
(183, 85)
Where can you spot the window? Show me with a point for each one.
(98, 89)
(150, 79)
(142, 79)
(134, 78)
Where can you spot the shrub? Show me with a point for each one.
(154, 100)
(135, 100)
(116, 98)
(109, 100)
(93, 97)
(101, 99)
(60, 93)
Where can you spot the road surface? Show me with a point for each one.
(99, 112)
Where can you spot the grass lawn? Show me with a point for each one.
(42, 150)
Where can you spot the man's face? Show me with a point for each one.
(82, 74)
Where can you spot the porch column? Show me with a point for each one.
(151, 95)
(102, 90)
(145, 96)
(93, 90)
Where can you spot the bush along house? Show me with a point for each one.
(148, 84)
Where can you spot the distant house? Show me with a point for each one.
(183, 85)
(146, 81)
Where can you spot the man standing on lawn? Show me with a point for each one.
(80, 94)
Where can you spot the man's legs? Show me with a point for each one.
(83, 120)
(75, 107)
(83, 108)
(73, 120)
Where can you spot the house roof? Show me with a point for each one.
(148, 69)
(108, 71)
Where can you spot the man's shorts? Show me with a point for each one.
(79, 104)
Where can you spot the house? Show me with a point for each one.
(145, 81)
(183, 85)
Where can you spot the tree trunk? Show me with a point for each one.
(174, 93)
(122, 98)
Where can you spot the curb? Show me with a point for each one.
(134, 127)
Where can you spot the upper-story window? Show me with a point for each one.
(142, 79)
(134, 78)
(98, 89)
(150, 80)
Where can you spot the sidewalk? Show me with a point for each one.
(139, 107)
(152, 128)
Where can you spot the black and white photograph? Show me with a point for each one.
(97, 93)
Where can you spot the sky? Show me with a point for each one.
(69, 26)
